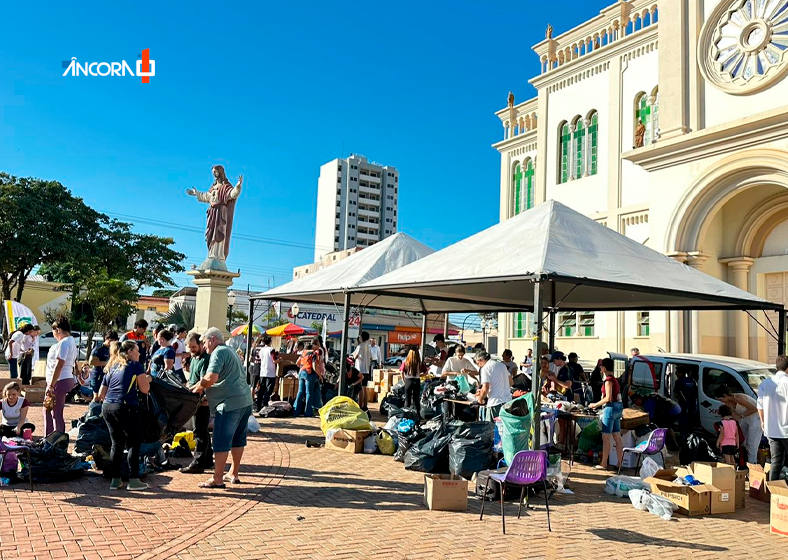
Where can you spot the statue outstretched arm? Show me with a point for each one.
(201, 196)
(235, 193)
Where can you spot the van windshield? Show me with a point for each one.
(754, 377)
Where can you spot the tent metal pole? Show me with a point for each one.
(249, 328)
(536, 378)
(446, 325)
(343, 350)
(551, 327)
(423, 333)
(781, 332)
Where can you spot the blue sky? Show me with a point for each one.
(271, 90)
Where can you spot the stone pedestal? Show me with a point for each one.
(211, 308)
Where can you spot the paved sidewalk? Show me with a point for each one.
(353, 506)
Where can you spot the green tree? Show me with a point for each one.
(41, 223)
(318, 326)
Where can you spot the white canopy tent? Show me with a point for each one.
(556, 258)
(590, 267)
(332, 285)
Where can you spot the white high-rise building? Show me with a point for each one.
(356, 204)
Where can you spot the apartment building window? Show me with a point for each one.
(520, 326)
(643, 323)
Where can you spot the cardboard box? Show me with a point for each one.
(445, 492)
(758, 476)
(721, 476)
(288, 388)
(372, 396)
(691, 500)
(349, 441)
(778, 516)
(741, 493)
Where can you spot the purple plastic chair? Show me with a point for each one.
(5, 448)
(527, 468)
(654, 444)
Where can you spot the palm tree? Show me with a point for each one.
(180, 314)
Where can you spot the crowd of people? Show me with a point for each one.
(123, 367)
(120, 370)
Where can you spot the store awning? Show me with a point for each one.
(582, 264)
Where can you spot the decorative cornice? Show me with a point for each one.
(603, 54)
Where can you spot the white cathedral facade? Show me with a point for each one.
(666, 120)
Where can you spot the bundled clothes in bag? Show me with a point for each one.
(51, 462)
(343, 413)
(429, 454)
(516, 425)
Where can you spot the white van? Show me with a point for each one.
(658, 372)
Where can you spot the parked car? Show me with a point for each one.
(394, 361)
(658, 372)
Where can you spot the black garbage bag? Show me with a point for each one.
(403, 413)
(430, 454)
(92, 431)
(405, 441)
(176, 402)
(696, 448)
(398, 390)
(50, 460)
(471, 448)
(392, 403)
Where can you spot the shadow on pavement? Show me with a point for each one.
(624, 536)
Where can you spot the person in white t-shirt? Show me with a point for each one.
(16, 345)
(30, 348)
(181, 352)
(527, 365)
(268, 359)
(458, 364)
(60, 378)
(363, 356)
(773, 412)
(496, 385)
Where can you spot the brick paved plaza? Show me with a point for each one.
(353, 506)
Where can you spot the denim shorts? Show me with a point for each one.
(229, 429)
(611, 418)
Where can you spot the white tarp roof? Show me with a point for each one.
(590, 267)
(329, 284)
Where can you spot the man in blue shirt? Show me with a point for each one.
(98, 359)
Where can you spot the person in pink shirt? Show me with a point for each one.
(728, 440)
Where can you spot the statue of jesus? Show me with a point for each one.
(221, 199)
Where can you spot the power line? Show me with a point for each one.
(194, 229)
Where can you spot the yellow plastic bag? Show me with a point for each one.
(386, 443)
(342, 413)
(188, 436)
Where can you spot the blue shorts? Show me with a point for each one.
(229, 429)
(611, 418)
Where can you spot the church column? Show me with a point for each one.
(676, 318)
(542, 136)
(739, 268)
(695, 260)
(673, 71)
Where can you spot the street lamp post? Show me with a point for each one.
(230, 305)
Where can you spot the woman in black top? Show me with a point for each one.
(121, 411)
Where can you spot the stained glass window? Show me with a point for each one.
(593, 132)
(566, 139)
(517, 180)
(578, 138)
(528, 199)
